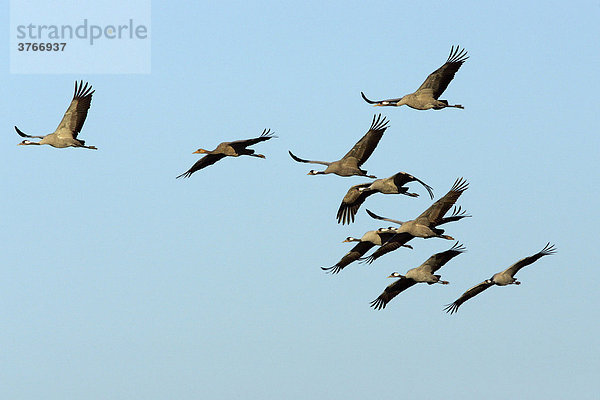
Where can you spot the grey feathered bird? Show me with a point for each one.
(69, 127)
(427, 94)
(403, 237)
(506, 277)
(365, 243)
(227, 149)
(350, 164)
(425, 225)
(357, 194)
(423, 273)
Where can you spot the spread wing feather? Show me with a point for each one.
(436, 212)
(474, 291)
(438, 260)
(77, 112)
(439, 80)
(204, 162)
(357, 251)
(363, 149)
(242, 144)
(547, 250)
(352, 202)
(391, 291)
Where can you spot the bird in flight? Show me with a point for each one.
(425, 225)
(426, 96)
(227, 149)
(70, 125)
(423, 273)
(506, 277)
(365, 243)
(349, 165)
(357, 194)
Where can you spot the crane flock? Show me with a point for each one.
(425, 226)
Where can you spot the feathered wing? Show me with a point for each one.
(23, 134)
(547, 250)
(379, 101)
(77, 112)
(457, 214)
(204, 162)
(439, 80)
(394, 243)
(436, 212)
(242, 144)
(357, 251)
(392, 291)
(298, 159)
(402, 178)
(352, 202)
(375, 216)
(474, 291)
(438, 260)
(363, 149)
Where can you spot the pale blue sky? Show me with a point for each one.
(120, 282)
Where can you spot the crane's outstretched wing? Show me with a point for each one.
(394, 243)
(392, 291)
(77, 112)
(23, 134)
(375, 216)
(547, 250)
(438, 260)
(439, 80)
(436, 212)
(474, 291)
(298, 159)
(242, 144)
(363, 149)
(357, 251)
(457, 214)
(402, 178)
(379, 101)
(352, 202)
(204, 162)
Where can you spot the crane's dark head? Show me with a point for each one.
(351, 239)
(201, 151)
(395, 275)
(313, 172)
(26, 142)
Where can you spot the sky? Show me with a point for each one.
(119, 281)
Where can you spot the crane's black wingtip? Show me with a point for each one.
(451, 308)
(297, 159)
(549, 249)
(332, 270)
(20, 132)
(378, 304)
(366, 99)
